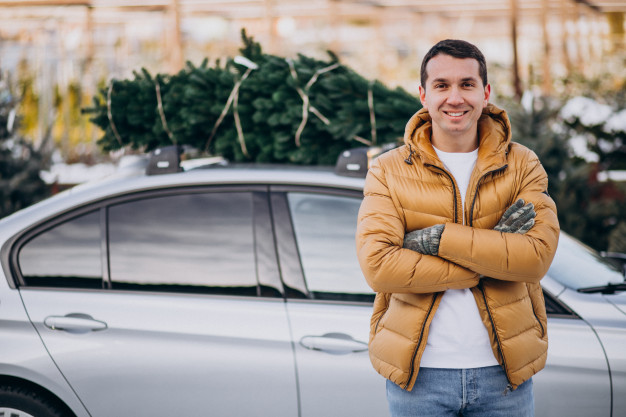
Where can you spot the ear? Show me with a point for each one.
(487, 95)
(423, 96)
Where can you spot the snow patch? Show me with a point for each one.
(76, 173)
(587, 110)
(578, 146)
(617, 176)
(616, 123)
(79, 173)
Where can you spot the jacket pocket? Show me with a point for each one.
(381, 305)
(538, 305)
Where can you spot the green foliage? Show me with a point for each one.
(20, 163)
(617, 238)
(588, 209)
(269, 107)
(603, 126)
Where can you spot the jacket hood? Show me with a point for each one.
(494, 132)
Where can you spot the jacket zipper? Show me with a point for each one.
(380, 318)
(453, 187)
(432, 304)
(543, 331)
(495, 332)
(471, 219)
(481, 287)
(419, 341)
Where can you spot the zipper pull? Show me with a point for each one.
(408, 160)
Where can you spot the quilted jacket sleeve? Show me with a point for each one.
(386, 265)
(510, 256)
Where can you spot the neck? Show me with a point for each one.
(455, 144)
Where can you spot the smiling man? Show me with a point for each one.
(454, 233)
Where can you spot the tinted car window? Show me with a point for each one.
(325, 227)
(65, 255)
(200, 242)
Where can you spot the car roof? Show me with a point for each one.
(235, 174)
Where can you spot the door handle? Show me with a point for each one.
(74, 323)
(333, 343)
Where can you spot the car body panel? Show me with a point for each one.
(23, 355)
(161, 353)
(200, 353)
(618, 300)
(575, 381)
(609, 324)
(335, 376)
(615, 348)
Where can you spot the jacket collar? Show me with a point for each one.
(494, 131)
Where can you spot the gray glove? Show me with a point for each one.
(518, 218)
(424, 241)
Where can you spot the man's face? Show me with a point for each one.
(454, 96)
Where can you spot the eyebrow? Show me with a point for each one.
(439, 80)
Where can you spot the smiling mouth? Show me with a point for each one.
(455, 114)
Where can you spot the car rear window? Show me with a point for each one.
(67, 255)
(203, 240)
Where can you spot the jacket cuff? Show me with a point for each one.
(454, 241)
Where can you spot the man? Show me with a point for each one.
(454, 233)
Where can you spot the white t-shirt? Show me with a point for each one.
(457, 337)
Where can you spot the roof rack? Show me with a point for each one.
(350, 163)
(356, 161)
(164, 160)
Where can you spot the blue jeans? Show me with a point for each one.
(476, 392)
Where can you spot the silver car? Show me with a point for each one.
(236, 291)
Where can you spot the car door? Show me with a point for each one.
(167, 303)
(576, 380)
(329, 312)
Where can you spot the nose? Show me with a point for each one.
(455, 97)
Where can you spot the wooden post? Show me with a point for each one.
(517, 83)
(581, 59)
(598, 37)
(333, 15)
(89, 34)
(378, 45)
(174, 39)
(589, 36)
(88, 83)
(567, 62)
(617, 37)
(546, 84)
(271, 26)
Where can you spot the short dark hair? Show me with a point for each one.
(458, 49)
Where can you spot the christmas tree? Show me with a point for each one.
(20, 163)
(588, 209)
(256, 107)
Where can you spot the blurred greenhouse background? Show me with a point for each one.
(557, 66)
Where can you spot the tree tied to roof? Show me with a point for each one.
(257, 107)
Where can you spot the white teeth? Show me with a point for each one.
(456, 114)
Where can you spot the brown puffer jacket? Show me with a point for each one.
(408, 188)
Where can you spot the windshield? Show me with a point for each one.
(578, 266)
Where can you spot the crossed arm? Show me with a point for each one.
(452, 256)
(518, 218)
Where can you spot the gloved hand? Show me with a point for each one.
(518, 218)
(424, 241)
